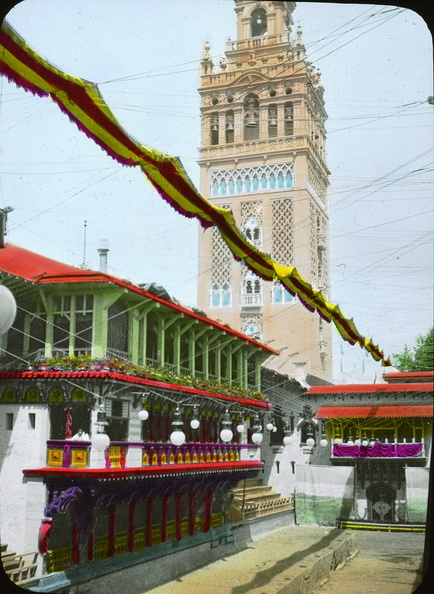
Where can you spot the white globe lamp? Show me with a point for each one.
(310, 442)
(143, 415)
(257, 438)
(8, 309)
(226, 435)
(177, 437)
(101, 442)
(195, 423)
(288, 439)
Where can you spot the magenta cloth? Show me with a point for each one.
(378, 450)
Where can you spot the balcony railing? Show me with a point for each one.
(134, 454)
(379, 450)
(249, 44)
(68, 453)
(250, 510)
(254, 299)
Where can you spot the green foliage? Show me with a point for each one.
(419, 358)
(88, 363)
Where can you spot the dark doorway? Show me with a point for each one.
(117, 429)
(381, 503)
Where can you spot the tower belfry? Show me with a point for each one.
(263, 157)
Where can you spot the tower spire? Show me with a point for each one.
(263, 157)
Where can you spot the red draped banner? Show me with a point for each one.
(82, 102)
(378, 450)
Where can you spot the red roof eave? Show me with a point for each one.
(145, 471)
(131, 379)
(370, 388)
(409, 376)
(376, 411)
(38, 269)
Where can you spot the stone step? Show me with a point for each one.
(256, 489)
(11, 564)
(258, 497)
(252, 482)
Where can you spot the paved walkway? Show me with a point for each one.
(387, 563)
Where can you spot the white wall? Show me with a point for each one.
(278, 471)
(21, 503)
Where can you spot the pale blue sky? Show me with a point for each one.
(376, 64)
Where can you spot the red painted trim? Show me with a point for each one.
(44, 535)
(145, 471)
(207, 505)
(376, 411)
(370, 388)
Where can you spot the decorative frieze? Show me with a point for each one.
(245, 180)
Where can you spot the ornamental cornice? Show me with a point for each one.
(268, 147)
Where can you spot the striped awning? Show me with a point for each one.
(375, 411)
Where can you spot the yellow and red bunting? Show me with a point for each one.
(84, 105)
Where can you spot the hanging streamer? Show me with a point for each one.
(84, 105)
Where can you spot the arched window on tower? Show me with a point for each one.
(229, 126)
(280, 295)
(226, 296)
(214, 128)
(289, 119)
(252, 231)
(272, 121)
(215, 296)
(251, 290)
(251, 117)
(220, 296)
(258, 22)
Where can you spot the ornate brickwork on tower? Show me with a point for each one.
(263, 156)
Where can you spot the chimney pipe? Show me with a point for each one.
(3, 219)
(103, 251)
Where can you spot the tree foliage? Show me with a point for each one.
(420, 357)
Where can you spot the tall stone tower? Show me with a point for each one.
(263, 156)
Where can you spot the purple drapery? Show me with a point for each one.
(378, 450)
